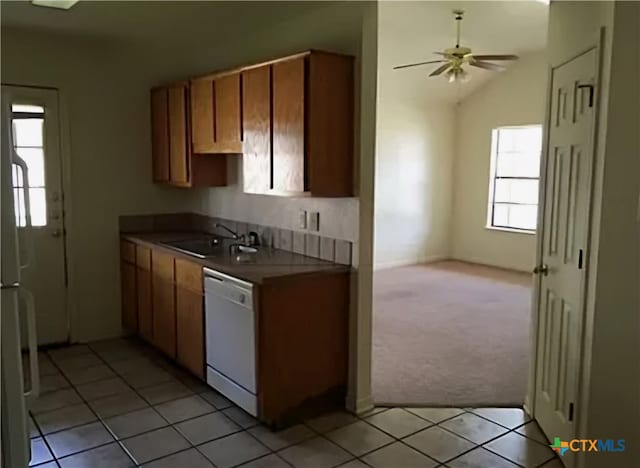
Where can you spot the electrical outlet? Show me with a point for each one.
(302, 219)
(313, 221)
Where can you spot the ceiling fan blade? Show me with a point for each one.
(486, 65)
(495, 57)
(439, 70)
(418, 64)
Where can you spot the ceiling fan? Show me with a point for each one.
(456, 57)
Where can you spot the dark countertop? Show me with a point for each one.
(266, 265)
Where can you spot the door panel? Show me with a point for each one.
(39, 206)
(227, 114)
(178, 147)
(288, 126)
(160, 134)
(129, 300)
(256, 115)
(202, 123)
(190, 329)
(564, 242)
(145, 312)
(164, 312)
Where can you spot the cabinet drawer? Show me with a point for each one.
(162, 265)
(189, 275)
(128, 251)
(143, 257)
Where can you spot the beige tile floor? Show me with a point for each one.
(118, 403)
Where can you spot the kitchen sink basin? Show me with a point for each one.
(200, 247)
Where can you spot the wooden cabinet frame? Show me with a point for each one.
(165, 293)
(173, 160)
(309, 127)
(216, 114)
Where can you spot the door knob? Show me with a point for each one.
(542, 269)
(56, 233)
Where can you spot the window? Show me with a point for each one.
(515, 173)
(29, 193)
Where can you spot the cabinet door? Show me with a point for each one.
(288, 126)
(256, 122)
(227, 121)
(160, 134)
(129, 298)
(202, 125)
(145, 312)
(190, 329)
(164, 312)
(178, 144)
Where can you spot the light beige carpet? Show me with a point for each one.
(451, 333)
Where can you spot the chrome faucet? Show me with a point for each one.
(234, 234)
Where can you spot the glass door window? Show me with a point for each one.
(28, 170)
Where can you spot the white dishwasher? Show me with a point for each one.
(231, 338)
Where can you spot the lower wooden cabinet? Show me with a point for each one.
(129, 299)
(164, 310)
(164, 316)
(190, 330)
(143, 296)
(163, 302)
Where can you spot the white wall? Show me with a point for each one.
(414, 150)
(515, 97)
(105, 105)
(414, 162)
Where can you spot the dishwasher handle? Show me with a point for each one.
(227, 288)
(226, 280)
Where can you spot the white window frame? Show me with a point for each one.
(493, 177)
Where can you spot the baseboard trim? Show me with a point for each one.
(359, 406)
(483, 262)
(413, 261)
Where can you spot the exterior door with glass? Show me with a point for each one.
(38, 205)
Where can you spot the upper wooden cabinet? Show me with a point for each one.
(298, 124)
(215, 114)
(291, 118)
(173, 161)
(160, 134)
(288, 94)
(256, 116)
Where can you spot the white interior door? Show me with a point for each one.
(38, 205)
(564, 243)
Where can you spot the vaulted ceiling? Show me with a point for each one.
(411, 31)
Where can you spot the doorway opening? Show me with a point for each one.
(456, 203)
(471, 199)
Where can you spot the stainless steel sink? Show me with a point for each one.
(201, 247)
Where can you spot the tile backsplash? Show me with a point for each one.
(311, 245)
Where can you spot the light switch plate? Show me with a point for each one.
(302, 219)
(313, 221)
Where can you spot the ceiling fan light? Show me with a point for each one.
(463, 76)
(457, 74)
(59, 4)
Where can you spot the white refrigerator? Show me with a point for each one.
(17, 308)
